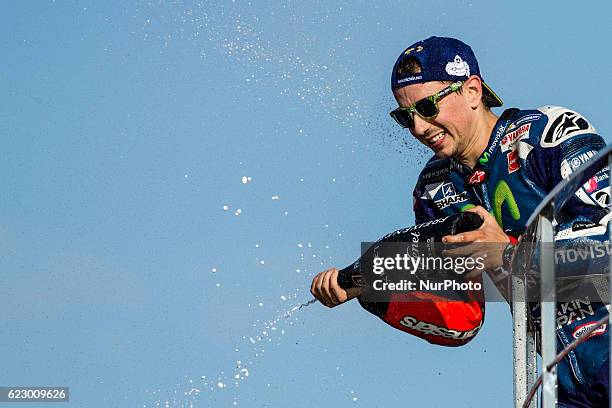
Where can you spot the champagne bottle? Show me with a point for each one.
(431, 231)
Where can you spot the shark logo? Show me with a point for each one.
(448, 190)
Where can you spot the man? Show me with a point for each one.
(500, 168)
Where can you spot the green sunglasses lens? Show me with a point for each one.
(426, 108)
(403, 117)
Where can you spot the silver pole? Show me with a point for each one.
(556, 198)
(523, 350)
(548, 311)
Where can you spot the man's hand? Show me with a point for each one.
(474, 243)
(325, 288)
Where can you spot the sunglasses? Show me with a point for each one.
(427, 108)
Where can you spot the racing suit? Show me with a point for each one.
(529, 153)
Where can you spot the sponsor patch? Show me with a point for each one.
(574, 310)
(448, 201)
(418, 48)
(477, 177)
(513, 161)
(509, 140)
(581, 330)
(448, 190)
(412, 78)
(435, 174)
(527, 118)
(602, 174)
(458, 67)
(590, 185)
(435, 330)
(568, 166)
(582, 225)
(484, 159)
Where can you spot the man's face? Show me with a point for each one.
(447, 133)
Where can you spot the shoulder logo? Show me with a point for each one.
(602, 197)
(458, 67)
(565, 124)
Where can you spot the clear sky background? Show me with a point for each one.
(128, 126)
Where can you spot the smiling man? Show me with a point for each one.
(500, 168)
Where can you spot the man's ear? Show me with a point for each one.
(473, 91)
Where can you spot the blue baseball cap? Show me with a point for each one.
(441, 59)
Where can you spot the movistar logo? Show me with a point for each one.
(484, 159)
(502, 195)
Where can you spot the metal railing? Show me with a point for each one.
(540, 229)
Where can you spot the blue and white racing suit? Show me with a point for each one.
(528, 154)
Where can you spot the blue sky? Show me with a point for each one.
(134, 132)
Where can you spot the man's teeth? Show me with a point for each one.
(437, 137)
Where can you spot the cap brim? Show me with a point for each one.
(491, 98)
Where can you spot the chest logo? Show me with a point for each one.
(513, 161)
(450, 200)
(448, 190)
(502, 195)
(477, 177)
(508, 141)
